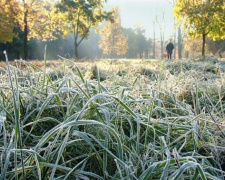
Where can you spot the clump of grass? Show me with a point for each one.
(150, 73)
(94, 73)
(200, 66)
(122, 72)
(55, 74)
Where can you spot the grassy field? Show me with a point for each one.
(112, 119)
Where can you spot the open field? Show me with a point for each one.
(112, 119)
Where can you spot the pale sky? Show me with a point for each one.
(144, 13)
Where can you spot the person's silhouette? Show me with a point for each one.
(169, 49)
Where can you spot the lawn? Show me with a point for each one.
(112, 119)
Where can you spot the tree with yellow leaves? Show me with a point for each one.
(113, 41)
(78, 16)
(34, 18)
(202, 18)
(37, 20)
(8, 11)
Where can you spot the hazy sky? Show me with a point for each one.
(144, 13)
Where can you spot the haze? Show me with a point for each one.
(144, 12)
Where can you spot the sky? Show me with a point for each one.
(144, 12)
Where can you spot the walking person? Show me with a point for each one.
(169, 49)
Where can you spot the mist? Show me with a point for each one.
(153, 18)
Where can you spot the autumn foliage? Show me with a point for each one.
(205, 18)
(113, 41)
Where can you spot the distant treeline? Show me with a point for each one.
(139, 47)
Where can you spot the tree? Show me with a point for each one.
(140, 39)
(8, 12)
(37, 21)
(148, 48)
(202, 18)
(161, 23)
(31, 17)
(179, 42)
(132, 43)
(192, 46)
(154, 43)
(113, 41)
(179, 37)
(14, 48)
(78, 16)
(137, 42)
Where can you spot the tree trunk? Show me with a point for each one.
(76, 50)
(154, 46)
(140, 54)
(162, 42)
(203, 45)
(179, 43)
(25, 40)
(147, 53)
(162, 47)
(162, 32)
(186, 54)
(75, 33)
(174, 41)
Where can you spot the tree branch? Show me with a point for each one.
(84, 35)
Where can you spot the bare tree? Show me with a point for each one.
(179, 37)
(154, 38)
(162, 30)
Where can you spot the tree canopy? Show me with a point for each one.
(9, 12)
(202, 18)
(47, 20)
(113, 41)
(78, 16)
